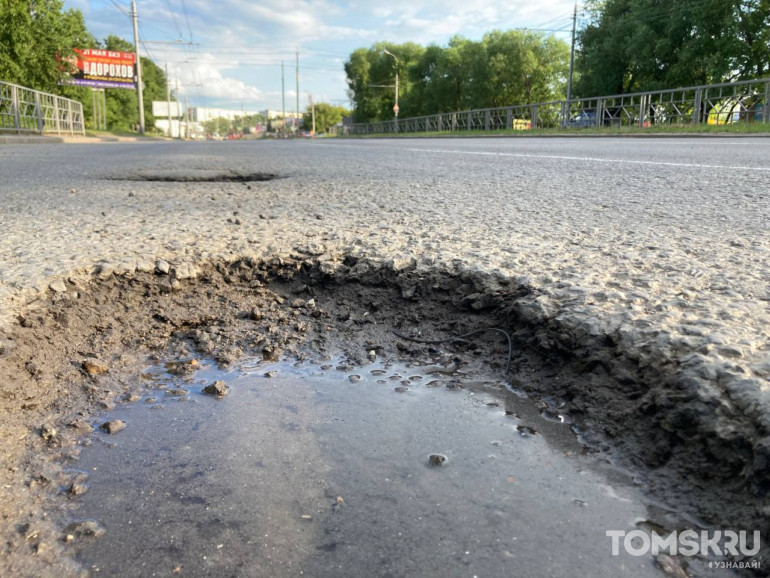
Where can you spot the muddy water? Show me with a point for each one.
(315, 472)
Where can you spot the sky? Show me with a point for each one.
(228, 53)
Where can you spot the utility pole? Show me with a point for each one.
(566, 114)
(312, 112)
(283, 98)
(187, 117)
(138, 67)
(168, 100)
(104, 108)
(178, 106)
(296, 110)
(572, 56)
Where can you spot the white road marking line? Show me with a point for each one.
(716, 143)
(594, 159)
(566, 158)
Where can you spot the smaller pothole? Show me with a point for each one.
(195, 176)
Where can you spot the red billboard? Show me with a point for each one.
(101, 68)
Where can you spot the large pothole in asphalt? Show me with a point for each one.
(195, 176)
(326, 468)
(310, 462)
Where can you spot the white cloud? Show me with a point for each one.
(242, 42)
(214, 84)
(423, 21)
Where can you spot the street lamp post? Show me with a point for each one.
(395, 106)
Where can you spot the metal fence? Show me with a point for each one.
(716, 104)
(23, 110)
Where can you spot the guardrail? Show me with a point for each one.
(728, 103)
(24, 110)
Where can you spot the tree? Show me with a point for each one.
(505, 68)
(33, 34)
(752, 37)
(524, 67)
(635, 45)
(326, 116)
(371, 75)
(36, 35)
(219, 125)
(249, 121)
(123, 104)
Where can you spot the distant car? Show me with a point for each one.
(584, 119)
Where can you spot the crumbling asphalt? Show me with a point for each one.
(647, 260)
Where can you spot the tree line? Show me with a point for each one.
(505, 67)
(35, 34)
(637, 45)
(622, 46)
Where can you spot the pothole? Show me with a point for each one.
(285, 474)
(195, 176)
(327, 335)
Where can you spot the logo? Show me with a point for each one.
(687, 543)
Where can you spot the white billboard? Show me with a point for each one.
(160, 109)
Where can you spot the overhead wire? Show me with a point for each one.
(173, 19)
(187, 19)
(567, 16)
(122, 9)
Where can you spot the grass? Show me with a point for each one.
(735, 128)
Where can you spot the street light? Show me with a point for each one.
(395, 106)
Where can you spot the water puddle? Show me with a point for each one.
(330, 470)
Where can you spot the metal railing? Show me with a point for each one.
(718, 104)
(24, 110)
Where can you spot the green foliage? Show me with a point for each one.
(524, 67)
(224, 126)
(326, 116)
(249, 121)
(371, 77)
(504, 68)
(33, 33)
(123, 104)
(220, 125)
(634, 45)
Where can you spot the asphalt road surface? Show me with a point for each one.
(613, 229)
(660, 243)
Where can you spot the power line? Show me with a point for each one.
(187, 19)
(173, 18)
(144, 44)
(544, 29)
(122, 9)
(282, 53)
(552, 21)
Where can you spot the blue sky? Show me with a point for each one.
(240, 43)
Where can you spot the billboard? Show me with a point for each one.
(100, 68)
(161, 110)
